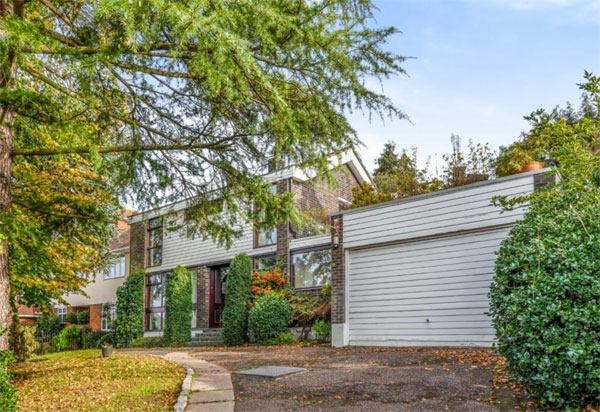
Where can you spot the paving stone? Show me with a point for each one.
(212, 396)
(211, 407)
(271, 371)
(211, 382)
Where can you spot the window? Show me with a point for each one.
(82, 275)
(311, 268)
(117, 270)
(155, 298)
(265, 262)
(155, 242)
(109, 314)
(264, 236)
(61, 312)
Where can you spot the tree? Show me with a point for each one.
(178, 308)
(239, 292)
(182, 99)
(553, 135)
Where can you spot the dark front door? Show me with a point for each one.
(218, 277)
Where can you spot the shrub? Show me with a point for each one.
(83, 317)
(544, 300)
(87, 339)
(108, 338)
(47, 325)
(322, 330)
(304, 311)
(69, 338)
(71, 317)
(269, 282)
(238, 287)
(21, 340)
(129, 324)
(178, 308)
(286, 338)
(269, 317)
(150, 342)
(8, 394)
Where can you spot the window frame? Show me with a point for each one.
(255, 260)
(61, 311)
(102, 318)
(147, 297)
(149, 245)
(258, 225)
(118, 262)
(293, 268)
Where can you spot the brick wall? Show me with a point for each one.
(338, 278)
(137, 246)
(96, 317)
(203, 289)
(312, 195)
(542, 179)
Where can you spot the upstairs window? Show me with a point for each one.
(265, 262)
(262, 235)
(117, 270)
(155, 242)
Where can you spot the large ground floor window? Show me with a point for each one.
(311, 268)
(109, 315)
(155, 301)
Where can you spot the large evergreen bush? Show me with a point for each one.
(178, 308)
(21, 340)
(546, 294)
(129, 324)
(269, 317)
(238, 288)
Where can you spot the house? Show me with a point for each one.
(158, 250)
(417, 271)
(101, 292)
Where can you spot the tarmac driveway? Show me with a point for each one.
(365, 379)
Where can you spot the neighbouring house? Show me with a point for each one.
(28, 315)
(158, 250)
(417, 271)
(101, 299)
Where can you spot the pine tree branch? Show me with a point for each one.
(51, 151)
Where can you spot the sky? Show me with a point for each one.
(478, 67)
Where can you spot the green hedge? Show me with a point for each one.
(149, 342)
(129, 324)
(546, 294)
(269, 317)
(47, 325)
(238, 287)
(178, 308)
(83, 317)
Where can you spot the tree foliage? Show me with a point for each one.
(552, 135)
(239, 289)
(129, 324)
(178, 308)
(167, 100)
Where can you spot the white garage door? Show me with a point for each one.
(428, 292)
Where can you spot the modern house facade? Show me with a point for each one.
(158, 250)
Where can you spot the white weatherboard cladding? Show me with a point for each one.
(467, 209)
(178, 249)
(427, 292)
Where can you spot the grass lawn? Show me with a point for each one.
(84, 381)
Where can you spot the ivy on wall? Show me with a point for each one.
(129, 324)
(178, 308)
(238, 287)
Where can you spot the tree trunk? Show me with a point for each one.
(6, 144)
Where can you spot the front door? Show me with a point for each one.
(218, 276)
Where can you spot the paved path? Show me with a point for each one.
(211, 387)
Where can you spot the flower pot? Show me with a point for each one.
(531, 166)
(107, 351)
